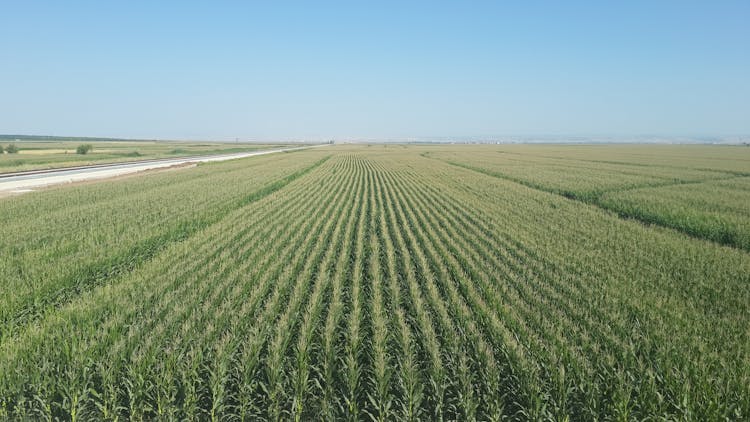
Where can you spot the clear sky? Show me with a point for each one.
(288, 70)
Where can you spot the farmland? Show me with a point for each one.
(386, 282)
(43, 153)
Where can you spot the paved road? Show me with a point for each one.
(16, 183)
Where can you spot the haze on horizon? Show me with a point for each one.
(286, 70)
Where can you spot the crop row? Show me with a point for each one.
(385, 285)
(64, 242)
(714, 210)
(703, 200)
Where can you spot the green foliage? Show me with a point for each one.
(84, 149)
(705, 199)
(377, 284)
(11, 149)
(714, 210)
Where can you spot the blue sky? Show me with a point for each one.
(319, 70)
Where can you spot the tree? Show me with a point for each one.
(1, 149)
(11, 149)
(84, 149)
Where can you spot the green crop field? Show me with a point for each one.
(43, 153)
(386, 282)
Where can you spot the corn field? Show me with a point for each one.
(385, 283)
